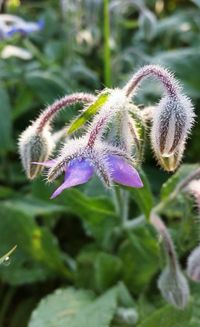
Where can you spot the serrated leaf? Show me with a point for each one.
(169, 186)
(143, 196)
(168, 317)
(74, 308)
(89, 112)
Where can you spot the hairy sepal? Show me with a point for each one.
(35, 146)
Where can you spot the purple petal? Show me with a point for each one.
(48, 163)
(78, 172)
(123, 173)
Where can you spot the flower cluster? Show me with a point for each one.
(11, 24)
(111, 145)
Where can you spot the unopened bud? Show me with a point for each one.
(193, 265)
(34, 146)
(172, 121)
(174, 287)
(171, 162)
(127, 316)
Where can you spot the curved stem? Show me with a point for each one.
(170, 84)
(166, 238)
(48, 114)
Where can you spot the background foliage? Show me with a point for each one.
(73, 250)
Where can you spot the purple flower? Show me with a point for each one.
(11, 24)
(79, 171)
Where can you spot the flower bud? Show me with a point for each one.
(128, 316)
(172, 122)
(171, 162)
(174, 287)
(193, 265)
(34, 146)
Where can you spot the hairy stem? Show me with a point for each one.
(166, 238)
(48, 114)
(168, 81)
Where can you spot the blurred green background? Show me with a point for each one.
(74, 240)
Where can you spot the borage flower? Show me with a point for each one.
(109, 163)
(11, 24)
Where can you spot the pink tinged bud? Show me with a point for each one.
(34, 146)
(193, 265)
(174, 287)
(172, 121)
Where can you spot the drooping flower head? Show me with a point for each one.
(112, 142)
(172, 119)
(81, 158)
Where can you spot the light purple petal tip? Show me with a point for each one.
(48, 163)
(78, 172)
(123, 173)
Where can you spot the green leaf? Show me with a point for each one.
(168, 317)
(97, 213)
(37, 255)
(35, 207)
(45, 86)
(170, 185)
(74, 308)
(140, 256)
(143, 196)
(5, 122)
(97, 270)
(183, 63)
(89, 112)
(108, 270)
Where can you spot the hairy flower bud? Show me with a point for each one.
(174, 287)
(193, 265)
(34, 146)
(172, 121)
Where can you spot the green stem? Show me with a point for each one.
(107, 64)
(121, 201)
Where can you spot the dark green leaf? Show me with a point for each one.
(168, 317)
